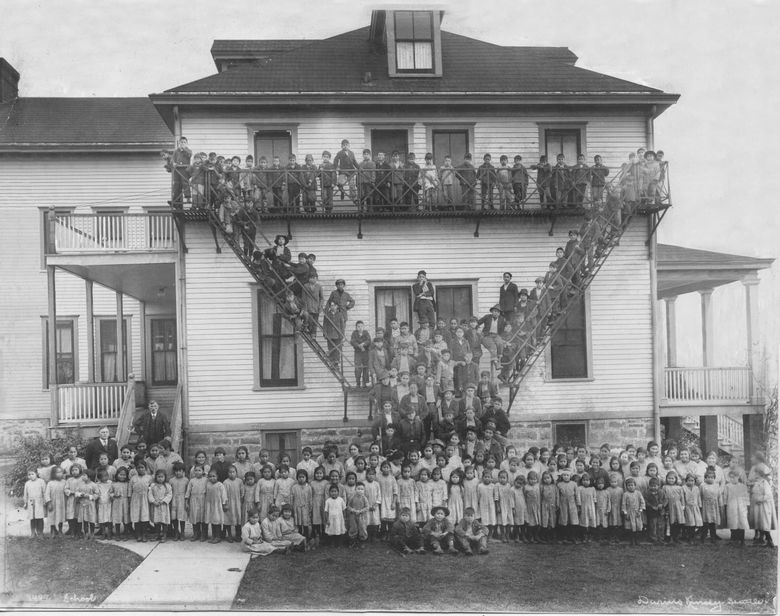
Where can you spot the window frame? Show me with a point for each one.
(436, 55)
(73, 320)
(257, 379)
(582, 139)
(548, 377)
(374, 285)
(274, 127)
(571, 422)
(414, 39)
(294, 452)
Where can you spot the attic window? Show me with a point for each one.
(414, 41)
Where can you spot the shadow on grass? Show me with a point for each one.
(549, 578)
(62, 572)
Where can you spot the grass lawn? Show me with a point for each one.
(549, 578)
(61, 572)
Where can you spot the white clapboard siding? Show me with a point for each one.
(613, 136)
(219, 314)
(83, 181)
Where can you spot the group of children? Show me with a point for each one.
(453, 497)
(386, 181)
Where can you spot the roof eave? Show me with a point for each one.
(153, 146)
(660, 99)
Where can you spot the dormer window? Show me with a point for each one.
(414, 41)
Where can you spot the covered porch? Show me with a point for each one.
(720, 404)
(134, 257)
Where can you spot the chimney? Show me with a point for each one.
(9, 82)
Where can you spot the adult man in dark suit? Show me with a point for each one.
(424, 299)
(102, 444)
(507, 297)
(153, 426)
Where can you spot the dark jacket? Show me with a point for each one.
(507, 298)
(487, 322)
(152, 429)
(95, 448)
(428, 289)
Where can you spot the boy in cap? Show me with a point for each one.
(439, 532)
(404, 534)
(492, 326)
(424, 293)
(327, 179)
(471, 534)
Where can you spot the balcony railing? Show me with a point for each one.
(87, 402)
(312, 190)
(109, 232)
(701, 385)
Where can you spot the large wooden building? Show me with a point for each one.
(96, 246)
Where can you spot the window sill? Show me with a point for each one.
(588, 379)
(279, 388)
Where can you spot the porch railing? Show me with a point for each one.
(176, 420)
(125, 420)
(697, 385)
(87, 402)
(109, 232)
(315, 189)
(730, 431)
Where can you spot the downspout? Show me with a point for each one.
(649, 128)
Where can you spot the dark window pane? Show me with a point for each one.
(404, 25)
(393, 303)
(422, 25)
(570, 435)
(453, 302)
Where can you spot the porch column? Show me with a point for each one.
(144, 345)
(120, 347)
(671, 331)
(51, 333)
(753, 345)
(708, 433)
(90, 333)
(753, 435)
(707, 329)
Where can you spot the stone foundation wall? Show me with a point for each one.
(524, 434)
(314, 438)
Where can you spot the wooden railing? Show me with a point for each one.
(176, 421)
(125, 422)
(730, 431)
(86, 402)
(697, 385)
(120, 232)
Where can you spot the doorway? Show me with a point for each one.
(389, 140)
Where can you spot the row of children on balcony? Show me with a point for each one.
(678, 497)
(223, 183)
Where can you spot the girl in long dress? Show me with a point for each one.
(54, 498)
(120, 503)
(139, 500)
(737, 502)
(763, 504)
(335, 526)
(195, 502)
(215, 506)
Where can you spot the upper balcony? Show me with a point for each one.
(367, 192)
(109, 233)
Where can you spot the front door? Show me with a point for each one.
(273, 143)
(107, 345)
(393, 303)
(453, 301)
(164, 360)
(389, 140)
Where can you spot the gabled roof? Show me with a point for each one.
(82, 124)
(339, 64)
(686, 270)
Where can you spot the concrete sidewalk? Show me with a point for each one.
(180, 575)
